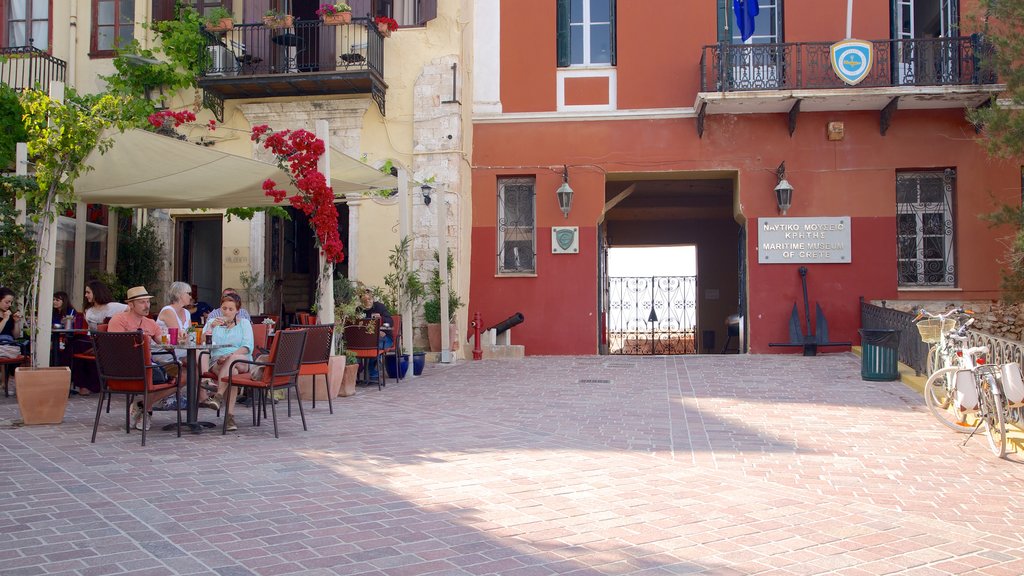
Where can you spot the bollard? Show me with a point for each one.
(478, 353)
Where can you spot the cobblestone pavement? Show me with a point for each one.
(547, 465)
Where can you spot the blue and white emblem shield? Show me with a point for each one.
(851, 60)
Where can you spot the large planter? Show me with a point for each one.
(42, 394)
(335, 381)
(419, 359)
(348, 382)
(394, 366)
(223, 25)
(434, 337)
(336, 19)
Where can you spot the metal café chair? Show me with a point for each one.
(279, 372)
(363, 341)
(316, 357)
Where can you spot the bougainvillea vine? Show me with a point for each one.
(297, 153)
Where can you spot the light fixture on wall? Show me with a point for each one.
(426, 189)
(564, 193)
(783, 190)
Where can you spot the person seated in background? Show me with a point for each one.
(10, 320)
(374, 310)
(199, 312)
(136, 317)
(175, 315)
(242, 312)
(99, 304)
(234, 334)
(62, 307)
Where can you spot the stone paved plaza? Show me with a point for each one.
(547, 465)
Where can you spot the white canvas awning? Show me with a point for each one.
(147, 170)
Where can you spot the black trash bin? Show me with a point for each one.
(881, 347)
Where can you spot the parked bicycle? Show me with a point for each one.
(933, 329)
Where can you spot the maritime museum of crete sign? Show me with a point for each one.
(803, 240)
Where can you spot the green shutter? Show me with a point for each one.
(724, 34)
(562, 36)
(611, 44)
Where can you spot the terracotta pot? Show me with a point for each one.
(275, 23)
(434, 337)
(336, 19)
(348, 383)
(42, 394)
(384, 29)
(335, 376)
(223, 26)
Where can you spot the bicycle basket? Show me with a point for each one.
(931, 329)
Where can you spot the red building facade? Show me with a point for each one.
(670, 128)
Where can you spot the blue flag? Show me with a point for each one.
(745, 11)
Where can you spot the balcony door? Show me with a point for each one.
(757, 63)
(925, 49)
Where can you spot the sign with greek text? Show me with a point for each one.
(803, 240)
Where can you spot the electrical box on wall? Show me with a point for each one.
(565, 239)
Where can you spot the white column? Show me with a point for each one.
(325, 305)
(353, 201)
(77, 288)
(486, 56)
(257, 233)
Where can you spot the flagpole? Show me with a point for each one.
(849, 19)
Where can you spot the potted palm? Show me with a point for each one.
(403, 290)
(334, 14)
(432, 307)
(275, 19)
(219, 19)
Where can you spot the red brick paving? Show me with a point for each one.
(547, 465)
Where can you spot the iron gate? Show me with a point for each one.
(652, 315)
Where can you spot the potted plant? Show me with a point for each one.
(275, 19)
(419, 359)
(386, 25)
(403, 291)
(336, 13)
(432, 307)
(219, 19)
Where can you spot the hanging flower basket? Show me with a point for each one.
(384, 30)
(337, 19)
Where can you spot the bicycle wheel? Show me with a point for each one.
(939, 396)
(934, 361)
(992, 414)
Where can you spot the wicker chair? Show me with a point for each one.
(316, 357)
(124, 366)
(363, 341)
(280, 372)
(7, 364)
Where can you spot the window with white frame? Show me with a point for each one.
(924, 228)
(28, 21)
(586, 32)
(517, 238)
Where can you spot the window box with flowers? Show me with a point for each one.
(219, 19)
(386, 25)
(274, 20)
(334, 14)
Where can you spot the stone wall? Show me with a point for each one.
(995, 318)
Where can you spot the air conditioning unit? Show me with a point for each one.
(222, 62)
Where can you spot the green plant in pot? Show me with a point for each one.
(432, 306)
(219, 19)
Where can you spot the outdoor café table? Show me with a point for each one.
(62, 356)
(192, 383)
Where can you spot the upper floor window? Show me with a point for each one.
(113, 25)
(767, 23)
(164, 9)
(586, 32)
(405, 12)
(517, 238)
(924, 228)
(28, 22)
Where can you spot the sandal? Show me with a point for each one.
(213, 403)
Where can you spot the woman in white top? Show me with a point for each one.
(99, 304)
(174, 315)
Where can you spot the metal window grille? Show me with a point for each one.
(517, 234)
(924, 228)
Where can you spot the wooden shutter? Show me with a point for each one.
(163, 10)
(724, 14)
(562, 35)
(360, 8)
(426, 11)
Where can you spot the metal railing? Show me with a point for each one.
(803, 65)
(914, 353)
(29, 67)
(307, 46)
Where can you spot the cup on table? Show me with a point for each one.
(209, 339)
(172, 333)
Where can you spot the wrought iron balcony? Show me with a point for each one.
(807, 65)
(28, 67)
(308, 58)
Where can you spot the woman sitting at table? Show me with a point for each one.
(10, 325)
(99, 304)
(62, 307)
(175, 315)
(235, 334)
